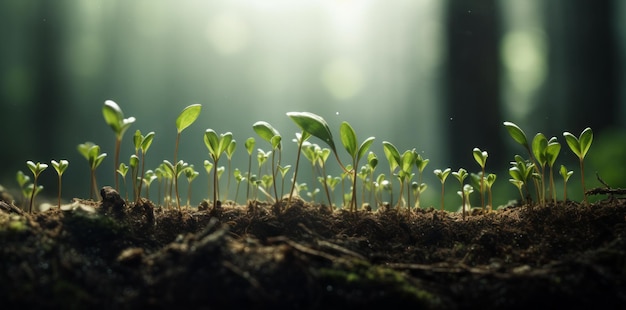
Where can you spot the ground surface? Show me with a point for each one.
(106, 255)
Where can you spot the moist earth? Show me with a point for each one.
(112, 254)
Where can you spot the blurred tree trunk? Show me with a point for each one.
(584, 64)
(472, 86)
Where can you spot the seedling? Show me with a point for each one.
(417, 189)
(186, 117)
(272, 136)
(191, 174)
(566, 175)
(552, 152)
(114, 117)
(60, 167)
(372, 162)
(144, 144)
(36, 169)
(405, 174)
(349, 141)
(133, 162)
(230, 150)
(122, 171)
(465, 194)
(421, 164)
(481, 159)
(176, 171)
(520, 137)
(208, 167)
(216, 146)
(461, 175)
(489, 181)
(283, 173)
(149, 177)
(580, 146)
(393, 158)
(540, 147)
(91, 152)
(249, 147)
(521, 171)
(519, 184)
(238, 179)
(22, 181)
(442, 175)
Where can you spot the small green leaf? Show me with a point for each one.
(314, 125)
(211, 141)
(480, 156)
(442, 175)
(188, 116)
(516, 133)
(539, 147)
(392, 154)
(586, 137)
(146, 142)
(573, 143)
(364, 147)
(348, 138)
(265, 130)
(249, 145)
(114, 117)
(232, 146)
(60, 166)
(552, 151)
(22, 178)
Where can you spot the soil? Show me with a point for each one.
(110, 255)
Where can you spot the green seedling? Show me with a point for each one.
(363, 175)
(319, 158)
(521, 171)
(161, 175)
(417, 189)
(122, 171)
(186, 117)
(133, 162)
(481, 159)
(442, 175)
(580, 146)
(23, 181)
(300, 139)
(91, 152)
(465, 194)
(191, 174)
(393, 158)
(552, 152)
(144, 144)
(216, 146)
(249, 148)
(520, 137)
(230, 151)
(238, 179)
(356, 151)
(461, 175)
(405, 174)
(540, 152)
(208, 167)
(372, 162)
(176, 171)
(167, 180)
(114, 117)
(283, 173)
(36, 169)
(421, 164)
(518, 184)
(148, 178)
(566, 175)
(489, 181)
(273, 137)
(60, 167)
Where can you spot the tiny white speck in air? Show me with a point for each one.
(337, 113)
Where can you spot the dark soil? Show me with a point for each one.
(108, 255)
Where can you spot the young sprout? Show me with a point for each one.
(565, 174)
(123, 170)
(249, 147)
(300, 139)
(208, 167)
(230, 150)
(186, 117)
(149, 177)
(393, 158)
(372, 162)
(145, 142)
(521, 171)
(552, 152)
(216, 146)
(540, 147)
(176, 171)
(481, 159)
(489, 181)
(191, 174)
(36, 169)
(272, 136)
(238, 179)
(417, 189)
(519, 184)
(22, 181)
(319, 158)
(60, 167)
(465, 194)
(283, 173)
(461, 175)
(520, 137)
(580, 146)
(356, 151)
(114, 117)
(442, 175)
(421, 164)
(91, 152)
(405, 174)
(133, 162)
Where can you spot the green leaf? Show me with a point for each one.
(232, 146)
(314, 125)
(392, 154)
(480, 156)
(539, 146)
(265, 130)
(348, 138)
(421, 163)
(114, 117)
(442, 175)
(573, 144)
(211, 141)
(407, 160)
(364, 147)
(22, 178)
(37, 168)
(188, 116)
(249, 145)
(60, 166)
(146, 142)
(586, 137)
(460, 175)
(516, 133)
(552, 151)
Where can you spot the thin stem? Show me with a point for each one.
(117, 162)
(582, 179)
(32, 195)
(442, 196)
(295, 173)
(248, 180)
(60, 185)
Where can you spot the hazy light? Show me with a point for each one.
(524, 55)
(228, 33)
(342, 78)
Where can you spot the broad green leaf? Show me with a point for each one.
(225, 140)
(480, 156)
(188, 116)
(372, 160)
(348, 138)
(516, 133)
(231, 148)
(84, 148)
(211, 141)
(36, 168)
(491, 179)
(420, 162)
(392, 154)
(265, 130)
(249, 145)
(573, 143)
(407, 160)
(276, 142)
(539, 146)
(364, 147)
(134, 161)
(552, 151)
(460, 175)
(314, 125)
(114, 117)
(146, 142)
(586, 137)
